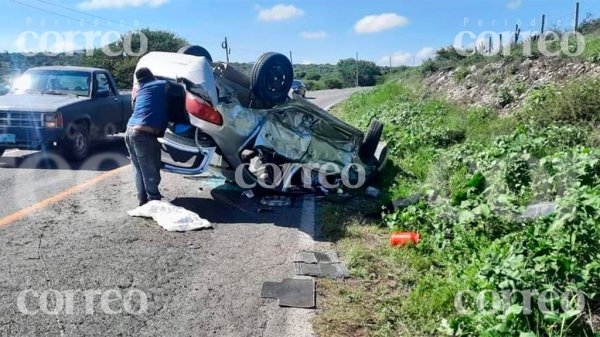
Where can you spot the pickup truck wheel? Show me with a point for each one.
(272, 76)
(76, 144)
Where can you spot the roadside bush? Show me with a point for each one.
(590, 26)
(314, 85)
(461, 73)
(333, 83)
(578, 101)
(313, 76)
(504, 97)
(429, 67)
(480, 248)
(301, 75)
(479, 172)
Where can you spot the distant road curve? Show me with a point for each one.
(326, 99)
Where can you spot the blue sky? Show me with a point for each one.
(316, 31)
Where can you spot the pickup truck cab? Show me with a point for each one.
(67, 107)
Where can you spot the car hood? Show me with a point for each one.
(37, 102)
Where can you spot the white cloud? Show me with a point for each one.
(104, 4)
(426, 53)
(279, 12)
(514, 4)
(307, 62)
(399, 58)
(378, 23)
(402, 58)
(314, 35)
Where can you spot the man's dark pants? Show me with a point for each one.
(144, 151)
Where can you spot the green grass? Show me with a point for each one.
(592, 49)
(482, 168)
(574, 102)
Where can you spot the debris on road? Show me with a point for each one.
(276, 201)
(297, 293)
(309, 256)
(170, 217)
(328, 270)
(320, 264)
(373, 192)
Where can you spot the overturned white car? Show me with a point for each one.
(250, 131)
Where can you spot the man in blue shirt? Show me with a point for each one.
(147, 123)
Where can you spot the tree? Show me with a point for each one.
(313, 76)
(122, 66)
(333, 83)
(300, 74)
(367, 72)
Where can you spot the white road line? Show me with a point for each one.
(307, 217)
(298, 321)
(335, 103)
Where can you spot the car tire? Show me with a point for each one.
(371, 140)
(195, 51)
(2, 151)
(76, 145)
(272, 77)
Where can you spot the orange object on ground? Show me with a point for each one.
(403, 238)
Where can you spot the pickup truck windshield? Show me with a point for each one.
(53, 82)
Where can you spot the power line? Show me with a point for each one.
(64, 15)
(45, 10)
(84, 13)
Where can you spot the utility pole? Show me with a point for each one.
(291, 60)
(543, 23)
(356, 69)
(576, 16)
(225, 46)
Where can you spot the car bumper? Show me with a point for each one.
(29, 138)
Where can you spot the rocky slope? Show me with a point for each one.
(505, 84)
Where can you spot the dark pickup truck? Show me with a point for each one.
(66, 107)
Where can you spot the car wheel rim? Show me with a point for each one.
(276, 79)
(79, 142)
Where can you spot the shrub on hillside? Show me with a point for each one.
(577, 101)
(461, 73)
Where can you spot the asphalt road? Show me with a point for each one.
(328, 98)
(73, 263)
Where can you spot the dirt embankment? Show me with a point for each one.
(505, 84)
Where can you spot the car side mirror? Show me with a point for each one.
(102, 93)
